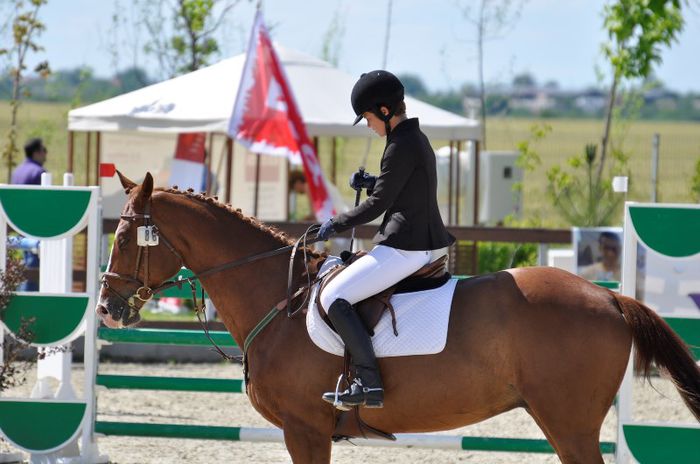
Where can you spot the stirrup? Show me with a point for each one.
(336, 400)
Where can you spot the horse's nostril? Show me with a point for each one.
(102, 310)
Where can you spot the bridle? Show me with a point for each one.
(144, 292)
(153, 237)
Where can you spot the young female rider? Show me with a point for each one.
(406, 191)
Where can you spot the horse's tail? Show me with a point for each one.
(655, 342)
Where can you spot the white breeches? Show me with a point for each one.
(376, 271)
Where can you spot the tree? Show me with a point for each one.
(577, 196)
(12, 368)
(582, 192)
(413, 85)
(26, 27)
(333, 38)
(637, 30)
(525, 80)
(191, 44)
(491, 19)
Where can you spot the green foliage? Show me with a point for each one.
(637, 30)
(26, 27)
(496, 256)
(191, 44)
(576, 193)
(528, 158)
(78, 86)
(333, 39)
(578, 196)
(695, 183)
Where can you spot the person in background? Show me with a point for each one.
(608, 268)
(298, 186)
(30, 171)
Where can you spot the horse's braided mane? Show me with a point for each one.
(279, 235)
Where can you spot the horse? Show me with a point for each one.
(536, 338)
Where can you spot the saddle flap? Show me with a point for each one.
(350, 425)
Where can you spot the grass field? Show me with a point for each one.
(679, 151)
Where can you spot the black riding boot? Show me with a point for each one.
(366, 389)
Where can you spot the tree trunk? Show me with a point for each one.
(480, 58)
(12, 136)
(606, 131)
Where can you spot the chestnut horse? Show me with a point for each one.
(541, 339)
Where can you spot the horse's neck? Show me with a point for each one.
(243, 295)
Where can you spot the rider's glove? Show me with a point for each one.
(327, 229)
(362, 180)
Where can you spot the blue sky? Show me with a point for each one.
(553, 39)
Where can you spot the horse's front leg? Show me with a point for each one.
(306, 442)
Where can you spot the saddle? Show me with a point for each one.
(370, 310)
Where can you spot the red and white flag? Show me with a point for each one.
(188, 169)
(266, 118)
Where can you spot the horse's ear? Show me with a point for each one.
(126, 183)
(147, 187)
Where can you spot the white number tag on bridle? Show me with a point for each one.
(147, 236)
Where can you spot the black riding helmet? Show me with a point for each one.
(374, 90)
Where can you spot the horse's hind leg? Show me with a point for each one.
(572, 446)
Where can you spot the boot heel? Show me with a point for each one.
(374, 404)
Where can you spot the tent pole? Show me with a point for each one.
(334, 160)
(70, 151)
(229, 162)
(450, 170)
(289, 192)
(88, 138)
(98, 157)
(257, 185)
(475, 254)
(458, 191)
(476, 182)
(207, 161)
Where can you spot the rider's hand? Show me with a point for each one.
(327, 229)
(356, 179)
(362, 180)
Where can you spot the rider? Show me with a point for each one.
(411, 233)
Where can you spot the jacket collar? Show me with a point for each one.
(407, 125)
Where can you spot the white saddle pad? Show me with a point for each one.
(421, 320)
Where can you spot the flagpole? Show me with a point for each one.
(387, 34)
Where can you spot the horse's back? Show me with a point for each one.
(541, 323)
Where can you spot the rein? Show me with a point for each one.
(144, 293)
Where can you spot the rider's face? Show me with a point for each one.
(374, 123)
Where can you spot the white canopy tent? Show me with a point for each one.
(202, 101)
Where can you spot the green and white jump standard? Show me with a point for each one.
(47, 424)
(672, 231)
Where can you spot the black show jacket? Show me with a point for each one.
(407, 190)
